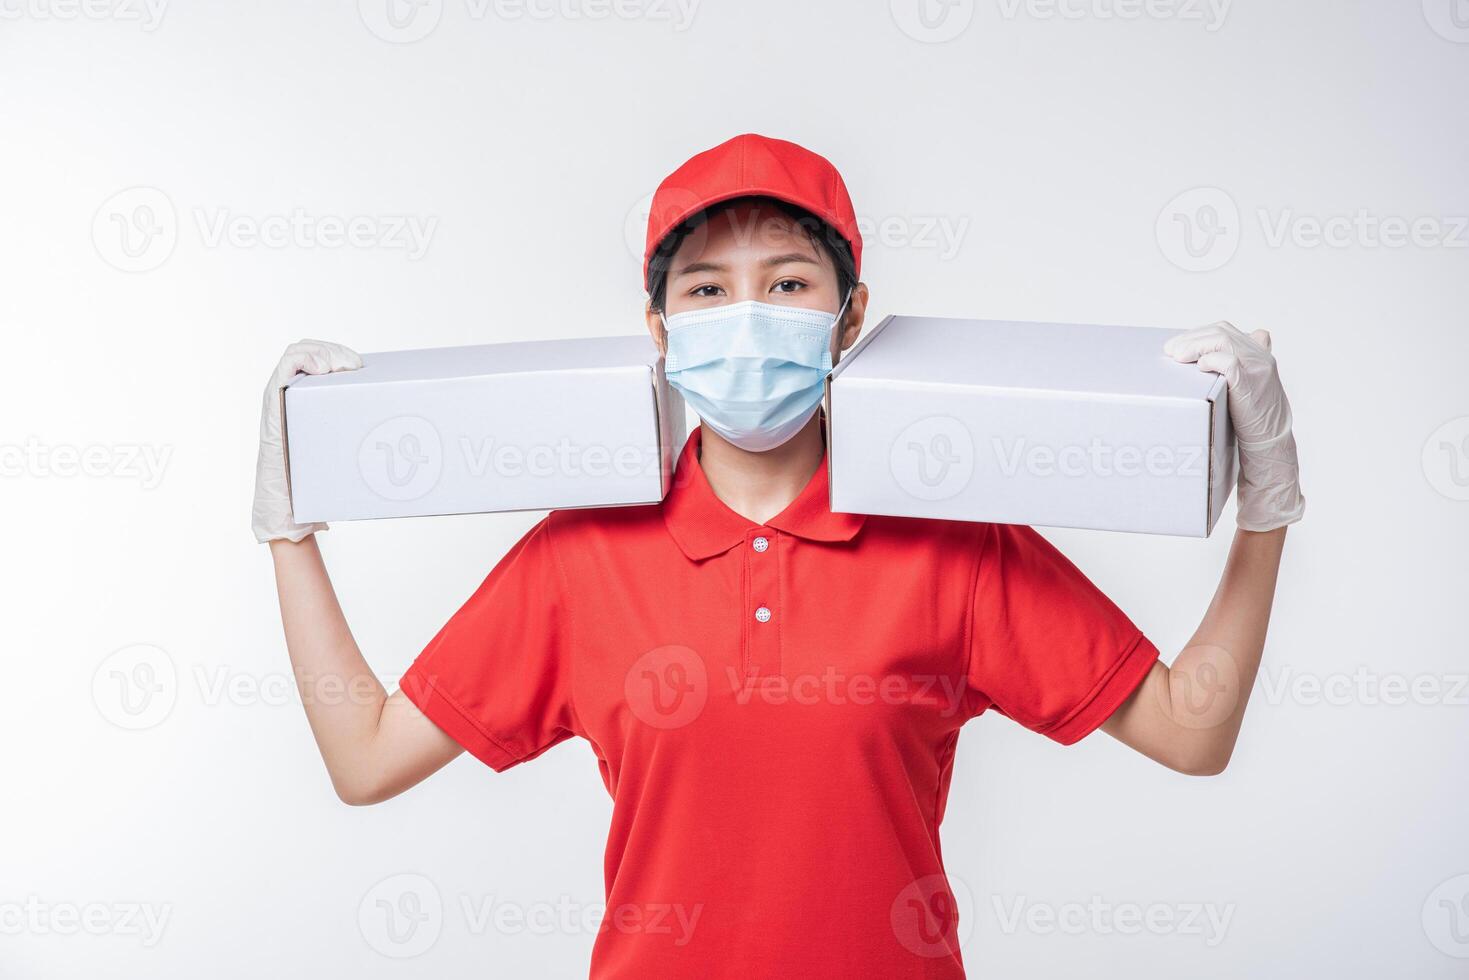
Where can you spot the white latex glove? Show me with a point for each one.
(271, 516)
(1269, 477)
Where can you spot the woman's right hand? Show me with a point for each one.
(1269, 475)
(271, 516)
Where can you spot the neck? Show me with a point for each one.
(757, 486)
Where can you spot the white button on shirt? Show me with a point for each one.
(760, 544)
(762, 614)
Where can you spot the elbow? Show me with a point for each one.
(1210, 769)
(358, 792)
(356, 799)
(353, 796)
(1201, 764)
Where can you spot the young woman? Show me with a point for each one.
(774, 691)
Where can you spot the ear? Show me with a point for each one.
(851, 327)
(655, 327)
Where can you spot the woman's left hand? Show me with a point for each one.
(1269, 475)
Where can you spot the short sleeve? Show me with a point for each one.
(497, 677)
(1046, 647)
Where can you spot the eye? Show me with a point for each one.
(788, 286)
(708, 289)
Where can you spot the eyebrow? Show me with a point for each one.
(693, 267)
(787, 258)
(769, 263)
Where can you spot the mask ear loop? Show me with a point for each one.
(835, 326)
(663, 319)
(842, 310)
(826, 359)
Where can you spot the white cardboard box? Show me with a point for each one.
(1061, 425)
(498, 427)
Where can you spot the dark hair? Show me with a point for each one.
(818, 232)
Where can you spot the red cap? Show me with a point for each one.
(746, 166)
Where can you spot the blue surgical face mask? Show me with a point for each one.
(753, 371)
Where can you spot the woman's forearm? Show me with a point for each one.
(1211, 680)
(1188, 715)
(343, 698)
(374, 745)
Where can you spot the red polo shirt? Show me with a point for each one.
(774, 709)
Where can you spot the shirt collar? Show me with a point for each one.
(703, 525)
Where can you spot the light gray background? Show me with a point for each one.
(1064, 150)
